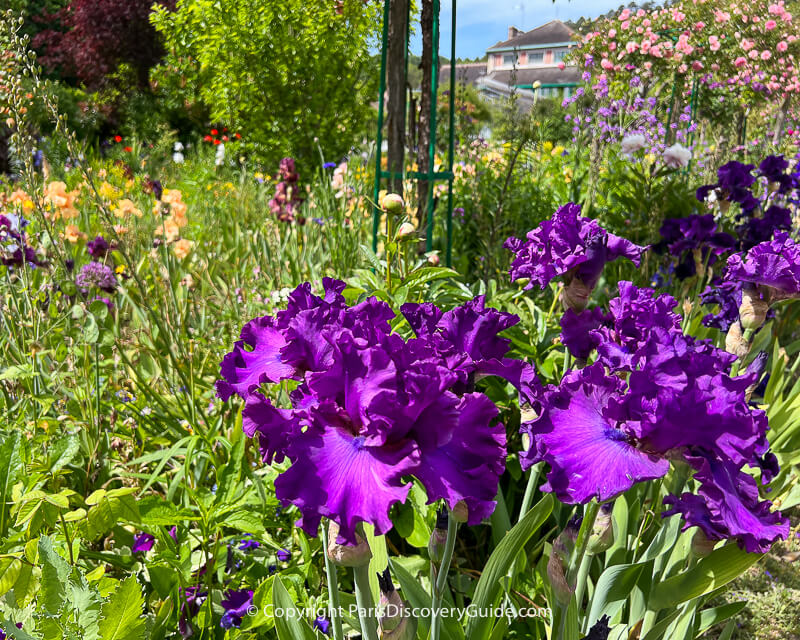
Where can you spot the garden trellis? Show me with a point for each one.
(431, 175)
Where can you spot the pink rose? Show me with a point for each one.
(765, 55)
(769, 25)
(697, 65)
(782, 46)
(561, 65)
(739, 62)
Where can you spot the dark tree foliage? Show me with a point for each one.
(87, 40)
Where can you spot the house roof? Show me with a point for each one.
(467, 73)
(551, 32)
(545, 75)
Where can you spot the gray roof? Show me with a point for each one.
(550, 33)
(466, 73)
(545, 75)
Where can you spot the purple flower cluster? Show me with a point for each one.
(98, 248)
(96, 275)
(372, 408)
(14, 250)
(568, 245)
(693, 239)
(288, 197)
(656, 395)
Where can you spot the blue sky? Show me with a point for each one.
(482, 23)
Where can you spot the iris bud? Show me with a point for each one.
(460, 512)
(602, 536)
(575, 295)
(344, 555)
(556, 567)
(753, 310)
(735, 342)
(396, 622)
(393, 203)
(438, 538)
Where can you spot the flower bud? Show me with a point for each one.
(735, 342)
(347, 555)
(575, 295)
(602, 536)
(556, 570)
(405, 229)
(396, 621)
(393, 203)
(433, 258)
(701, 545)
(438, 537)
(460, 512)
(753, 310)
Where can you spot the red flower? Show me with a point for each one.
(225, 138)
(117, 138)
(214, 132)
(216, 141)
(207, 138)
(128, 149)
(224, 128)
(238, 136)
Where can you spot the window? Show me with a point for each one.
(559, 55)
(509, 59)
(536, 57)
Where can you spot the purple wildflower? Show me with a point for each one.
(98, 248)
(98, 275)
(14, 250)
(193, 599)
(142, 542)
(284, 555)
(322, 624)
(248, 543)
(236, 604)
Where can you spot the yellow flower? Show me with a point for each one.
(547, 146)
(109, 192)
(182, 248)
(557, 151)
(120, 269)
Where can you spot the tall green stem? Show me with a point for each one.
(333, 588)
(365, 603)
(439, 582)
(530, 489)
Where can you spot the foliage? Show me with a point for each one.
(261, 78)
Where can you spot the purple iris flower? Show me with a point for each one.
(98, 248)
(695, 232)
(142, 542)
(14, 251)
(236, 604)
(727, 295)
(773, 168)
(568, 245)
(322, 624)
(372, 408)
(579, 331)
(734, 181)
(96, 274)
(667, 396)
(283, 555)
(772, 267)
(19, 626)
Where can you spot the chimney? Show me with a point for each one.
(513, 32)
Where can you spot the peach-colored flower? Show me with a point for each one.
(169, 229)
(126, 207)
(182, 248)
(72, 233)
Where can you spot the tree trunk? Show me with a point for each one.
(424, 133)
(780, 121)
(396, 88)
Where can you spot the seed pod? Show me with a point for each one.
(753, 310)
(344, 555)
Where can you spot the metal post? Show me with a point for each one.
(451, 144)
(376, 208)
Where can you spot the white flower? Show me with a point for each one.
(177, 157)
(632, 144)
(178, 146)
(219, 159)
(677, 156)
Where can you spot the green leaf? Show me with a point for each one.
(488, 588)
(108, 508)
(122, 615)
(289, 627)
(612, 590)
(55, 577)
(712, 572)
(62, 452)
(10, 567)
(154, 511)
(10, 469)
(716, 615)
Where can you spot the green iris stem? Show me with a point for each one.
(580, 561)
(365, 603)
(439, 583)
(333, 588)
(747, 336)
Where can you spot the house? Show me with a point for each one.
(531, 62)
